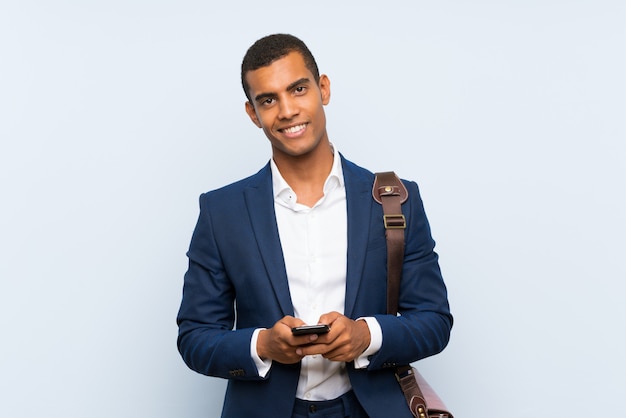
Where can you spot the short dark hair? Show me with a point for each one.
(271, 48)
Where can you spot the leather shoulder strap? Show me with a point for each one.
(389, 191)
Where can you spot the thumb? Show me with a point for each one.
(329, 318)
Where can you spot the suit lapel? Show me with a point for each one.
(359, 206)
(260, 206)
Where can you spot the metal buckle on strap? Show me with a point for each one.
(394, 221)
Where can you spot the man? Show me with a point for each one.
(303, 242)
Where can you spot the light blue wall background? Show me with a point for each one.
(116, 115)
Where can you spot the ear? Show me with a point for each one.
(252, 114)
(325, 88)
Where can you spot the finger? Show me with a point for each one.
(313, 349)
(337, 356)
(305, 339)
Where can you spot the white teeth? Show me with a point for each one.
(294, 129)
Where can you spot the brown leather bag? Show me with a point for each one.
(390, 192)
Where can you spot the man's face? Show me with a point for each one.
(288, 105)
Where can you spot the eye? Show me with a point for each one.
(268, 101)
(300, 90)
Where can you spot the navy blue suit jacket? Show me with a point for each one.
(236, 282)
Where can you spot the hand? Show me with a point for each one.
(346, 340)
(279, 344)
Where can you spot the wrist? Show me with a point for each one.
(260, 344)
(365, 332)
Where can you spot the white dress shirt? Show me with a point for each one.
(314, 241)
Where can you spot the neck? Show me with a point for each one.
(306, 174)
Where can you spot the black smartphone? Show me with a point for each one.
(310, 329)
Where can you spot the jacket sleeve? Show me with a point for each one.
(206, 339)
(422, 327)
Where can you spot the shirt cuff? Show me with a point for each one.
(376, 341)
(262, 366)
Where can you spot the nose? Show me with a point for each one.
(288, 108)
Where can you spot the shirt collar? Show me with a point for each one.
(285, 194)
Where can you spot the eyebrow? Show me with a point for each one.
(262, 96)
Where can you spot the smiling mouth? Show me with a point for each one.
(294, 129)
